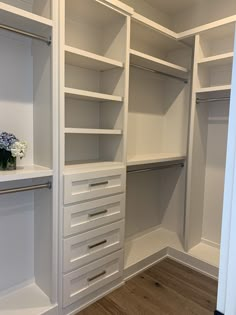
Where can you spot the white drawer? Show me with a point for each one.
(90, 278)
(93, 214)
(84, 248)
(91, 185)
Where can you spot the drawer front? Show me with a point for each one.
(84, 248)
(91, 185)
(89, 215)
(90, 278)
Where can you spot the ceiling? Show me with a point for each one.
(171, 6)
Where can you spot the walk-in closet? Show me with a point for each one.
(126, 108)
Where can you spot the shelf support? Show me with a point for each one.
(26, 34)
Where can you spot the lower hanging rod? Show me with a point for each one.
(26, 34)
(26, 188)
(159, 72)
(150, 169)
(210, 100)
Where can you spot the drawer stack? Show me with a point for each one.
(94, 206)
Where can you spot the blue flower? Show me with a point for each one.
(7, 140)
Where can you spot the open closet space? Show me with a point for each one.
(28, 194)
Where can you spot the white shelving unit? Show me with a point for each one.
(28, 268)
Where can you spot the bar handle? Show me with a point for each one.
(97, 213)
(97, 244)
(98, 184)
(97, 276)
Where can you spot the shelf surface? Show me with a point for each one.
(91, 131)
(206, 253)
(156, 64)
(25, 172)
(141, 247)
(210, 89)
(154, 159)
(24, 20)
(218, 60)
(90, 96)
(29, 300)
(88, 60)
(78, 166)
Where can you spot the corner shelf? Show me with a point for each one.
(25, 172)
(24, 20)
(156, 64)
(91, 131)
(88, 60)
(218, 60)
(90, 96)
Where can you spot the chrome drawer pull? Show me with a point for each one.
(97, 213)
(97, 244)
(98, 184)
(97, 276)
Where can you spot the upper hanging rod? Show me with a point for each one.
(27, 34)
(144, 170)
(25, 188)
(209, 100)
(159, 72)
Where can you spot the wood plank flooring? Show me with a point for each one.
(168, 288)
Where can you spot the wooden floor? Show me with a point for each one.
(167, 288)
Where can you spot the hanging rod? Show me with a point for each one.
(159, 72)
(150, 169)
(26, 34)
(209, 100)
(26, 188)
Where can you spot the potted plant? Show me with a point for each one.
(10, 149)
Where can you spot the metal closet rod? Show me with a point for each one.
(26, 34)
(150, 169)
(209, 100)
(159, 72)
(26, 188)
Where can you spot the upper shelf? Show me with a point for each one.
(88, 60)
(91, 96)
(24, 20)
(25, 172)
(156, 64)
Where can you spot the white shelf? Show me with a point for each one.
(25, 172)
(24, 20)
(29, 300)
(153, 25)
(218, 60)
(90, 96)
(91, 131)
(210, 89)
(206, 253)
(154, 159)
(88, 60)
(78, 166)
(156, 64)
(150, 243)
